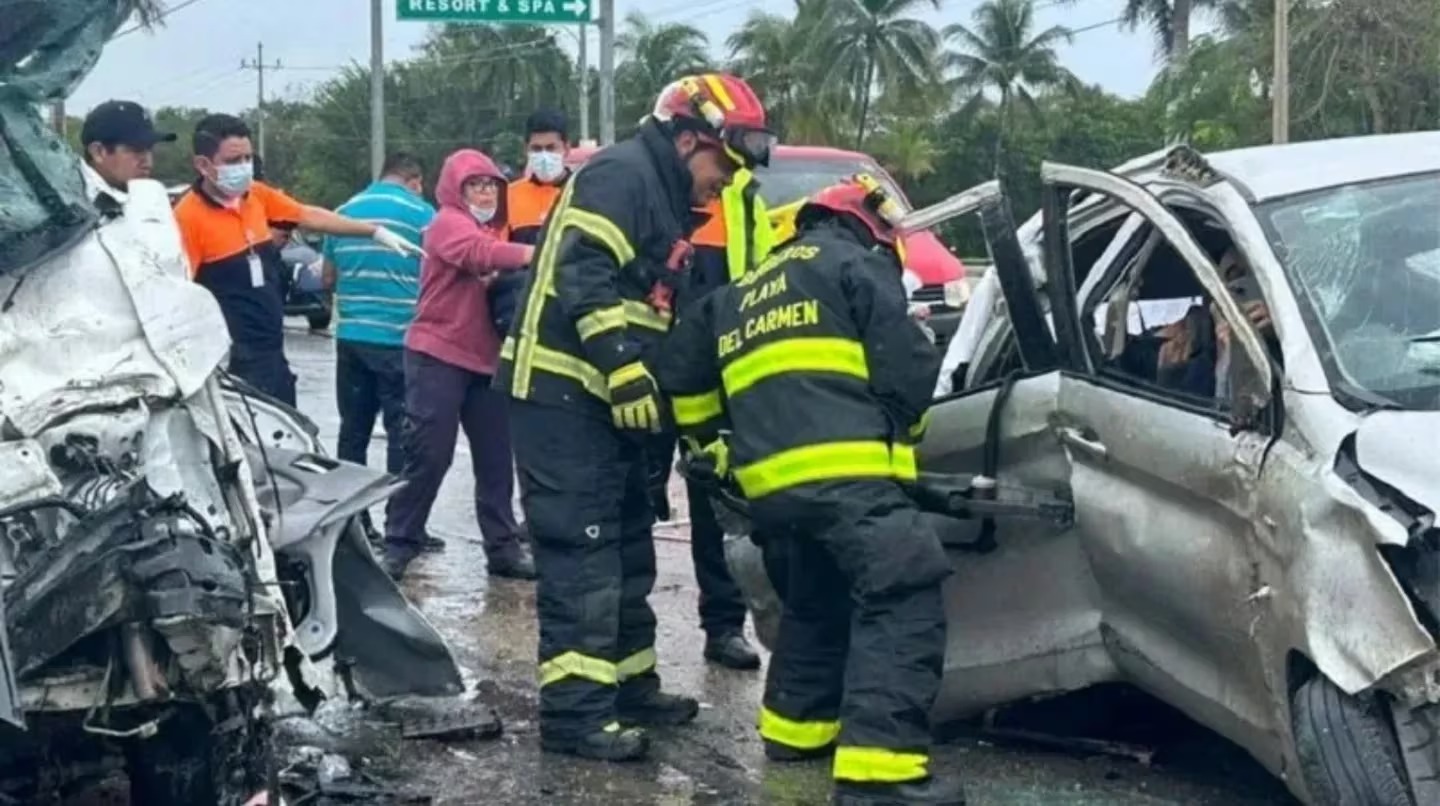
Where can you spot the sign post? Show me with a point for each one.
(533, 12)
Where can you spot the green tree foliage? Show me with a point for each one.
(942, 111)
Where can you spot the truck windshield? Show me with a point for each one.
(1365, 260)
(791, 178)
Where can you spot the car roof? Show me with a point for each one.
(1272, 171)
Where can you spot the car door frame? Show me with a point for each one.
(1174, 610)
(1010, 641)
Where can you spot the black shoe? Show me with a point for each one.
(513, 562)
(618, 744)
(775, 751)
(432, 544)
(932, 790)
(397, 559)
(732, 651)
(659, 709)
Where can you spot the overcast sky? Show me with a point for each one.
(194, 59)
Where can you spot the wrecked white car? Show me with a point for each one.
(1211, 383)
(160, 530)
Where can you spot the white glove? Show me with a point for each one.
(395, 243)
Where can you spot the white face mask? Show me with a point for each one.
(547, 166)
(482, 214)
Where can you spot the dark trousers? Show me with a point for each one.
(440, 399)
(722, 606)
(264, 368)
(583, 487)
(370, 382)
(861, 647)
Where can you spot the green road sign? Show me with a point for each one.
(535, 12)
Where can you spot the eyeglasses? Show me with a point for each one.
(483, 184)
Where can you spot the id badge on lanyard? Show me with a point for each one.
(257, 268)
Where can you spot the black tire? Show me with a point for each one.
(1347, 748)
(190, 762)
(319, 321)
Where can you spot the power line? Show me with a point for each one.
(162, 15)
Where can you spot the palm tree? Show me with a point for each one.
(870, 42)
(653, 56)
(1002, 53)
(775, 54)
(1169, 20)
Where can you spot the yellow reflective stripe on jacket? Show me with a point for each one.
(601, 229)
(558, 363)
(696, 409)
(878, 765)
(599, 321)
(636, 665)
(641, 314)
(528, 343)
(798, 735)
(827, 461)
(840, 356)
(574, 664)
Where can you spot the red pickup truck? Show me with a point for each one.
(795, 172)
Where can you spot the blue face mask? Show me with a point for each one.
(547, 166)
(482, 214)
(235, 180)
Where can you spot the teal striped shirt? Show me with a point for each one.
(375, 288)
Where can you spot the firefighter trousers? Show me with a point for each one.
(861, 646)
(583, 488)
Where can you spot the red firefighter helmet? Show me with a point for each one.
(866, 200)
(724, 111)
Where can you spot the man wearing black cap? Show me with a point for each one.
(118, 138)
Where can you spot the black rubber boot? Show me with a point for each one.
(732, 651)
(934, 791)
(659, 709)
(397, 559)
(432, 544)
(775, 751)
(617, 744)
(512, 562)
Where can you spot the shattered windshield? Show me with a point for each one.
(1366, 259)
(46, 48)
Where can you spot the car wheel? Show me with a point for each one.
(1348, 752)
(319, 321)
(203, 756)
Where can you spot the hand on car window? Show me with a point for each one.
(1256, 311)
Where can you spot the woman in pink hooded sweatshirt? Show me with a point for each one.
(451, 351)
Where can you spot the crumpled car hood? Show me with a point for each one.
(1398, 448)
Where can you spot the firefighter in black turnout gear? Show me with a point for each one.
(807, 383)
(584, 400)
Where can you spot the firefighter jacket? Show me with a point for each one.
(584, 314)
(736, 236)
(810, 361)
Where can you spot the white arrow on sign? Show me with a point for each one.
(576, 7)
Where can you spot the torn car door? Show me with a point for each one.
(1022, 615)
(1164, 484)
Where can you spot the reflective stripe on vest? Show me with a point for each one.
(827, 461)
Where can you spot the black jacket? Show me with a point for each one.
(811, 361)
(584, 313)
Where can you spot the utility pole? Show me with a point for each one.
(377, 89)
(1280, 92)
(607, 72)
(584, 60)
(259, 67)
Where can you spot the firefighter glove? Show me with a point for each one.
(634, 399)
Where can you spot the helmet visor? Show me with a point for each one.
(749, 147)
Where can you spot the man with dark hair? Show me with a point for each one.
(375, 294)
(119, 139)
(225, 226)
(532, 195)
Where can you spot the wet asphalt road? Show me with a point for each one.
(718, 759)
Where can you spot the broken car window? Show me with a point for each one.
(1366, 261)
(46, 47)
